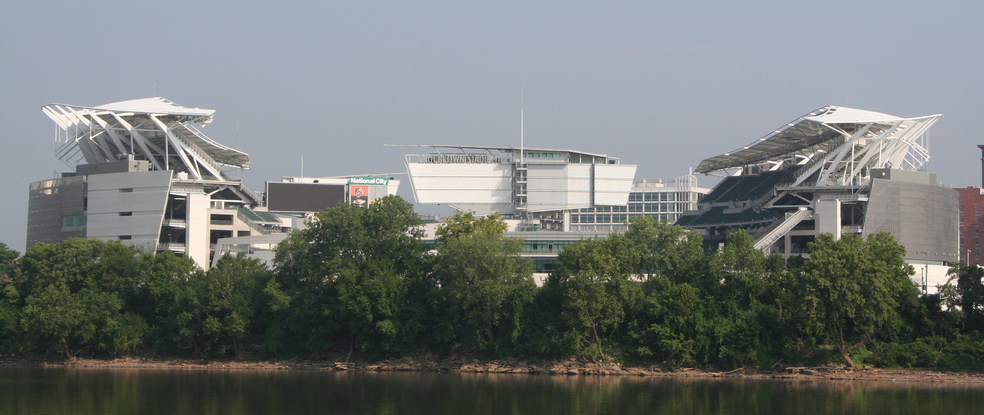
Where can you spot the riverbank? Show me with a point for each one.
(570, 367)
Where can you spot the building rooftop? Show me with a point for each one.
(152, 129)
(820, 130)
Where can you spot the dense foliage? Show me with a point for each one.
(359, 281)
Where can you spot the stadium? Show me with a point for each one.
(144, 174)
(835, 170)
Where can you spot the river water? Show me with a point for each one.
(151, 391)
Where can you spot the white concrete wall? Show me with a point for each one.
(558, 186)
(612, 183)
(828, 216)
(197, 243)
(484, 188)
(929, 277)
(145, 197)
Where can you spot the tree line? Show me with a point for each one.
(360, 283)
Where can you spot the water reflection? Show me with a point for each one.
(90, 391)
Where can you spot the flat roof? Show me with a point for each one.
(502, 149)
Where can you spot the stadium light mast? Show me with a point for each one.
(521, 124)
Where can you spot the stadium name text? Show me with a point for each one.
(368, 180)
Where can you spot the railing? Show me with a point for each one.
(257, 196)
(203, 137)
(175, 222)
(789, 223)
(171, 246)
(195, 149)
(252, 224)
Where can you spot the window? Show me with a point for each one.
(126, 213)
(961, 208)
(126, 190)
(126, 237)
(73, 221)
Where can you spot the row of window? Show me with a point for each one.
(542, 155)
(619, 217)
(657, 207)
(977, 208)
(76, 221)
(549, 246)
(656, 196)
(638, 207)
(603, 209)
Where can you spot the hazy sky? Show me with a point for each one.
(658, 84)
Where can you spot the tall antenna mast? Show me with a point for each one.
(521, 126)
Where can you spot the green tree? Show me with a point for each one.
(594, 283)
(74, 293)
(465, 223)
(346, 278)
(659, 250)
(484, 284)
(738, 308)
(54, 312)
(852, 288)
(968, 294)
(10, 308)
(163, 300)
(670, 324)
(220, 310)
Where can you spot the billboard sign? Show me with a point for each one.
(359, 195)
(303, 197)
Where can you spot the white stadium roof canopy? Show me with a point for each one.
(154, 129)
(820, 127)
